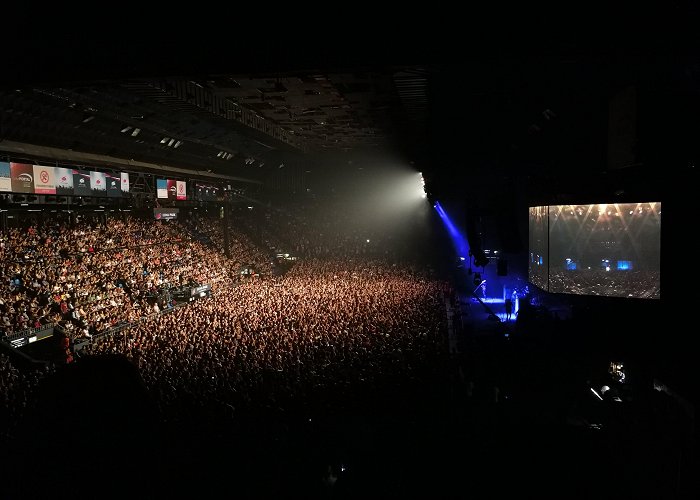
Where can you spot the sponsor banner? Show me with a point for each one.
(5, 178)
(64, 180)
(81, 183)
(19, 342)
(172, 189)
(162, 188)
(32, 335)
(113, 185)
(181, 190)
(165, 213)
(22, 175)
(125, 182)
(44, 180)
(98, 183)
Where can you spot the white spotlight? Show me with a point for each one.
(423, 193)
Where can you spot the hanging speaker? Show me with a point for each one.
(502, 267)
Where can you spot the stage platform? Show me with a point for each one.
(485, 316)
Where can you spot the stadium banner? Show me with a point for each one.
(5, 178)
(98, 183)
(165, 213)
(181, 190)
(162, 188)
(113, 185)
(125, 182)
(22, 175)
(81, 183)
(64, 180)
(44, 180)
(172, 189)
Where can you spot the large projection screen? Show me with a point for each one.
(539, 241)
(611, 250)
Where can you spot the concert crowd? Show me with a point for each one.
(328, 325)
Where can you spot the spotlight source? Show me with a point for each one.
(423, 190)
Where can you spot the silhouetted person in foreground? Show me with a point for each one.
(93, 427)
(509, 309)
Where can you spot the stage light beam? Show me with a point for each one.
(458, 240)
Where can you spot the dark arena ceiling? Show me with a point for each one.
(470, 106)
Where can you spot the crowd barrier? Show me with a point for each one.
(29, 335)
(199, 290)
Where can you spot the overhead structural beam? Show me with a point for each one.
(56, 154)
(185, 94)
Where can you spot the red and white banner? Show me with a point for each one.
(181, 190)
(125, 182)
(64, 180)
(44, 180)
(98, 182)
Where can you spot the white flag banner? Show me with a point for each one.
(125, 182)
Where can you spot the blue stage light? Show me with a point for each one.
(458, 240)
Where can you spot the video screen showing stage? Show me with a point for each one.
(538, 258)
(611, 250)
